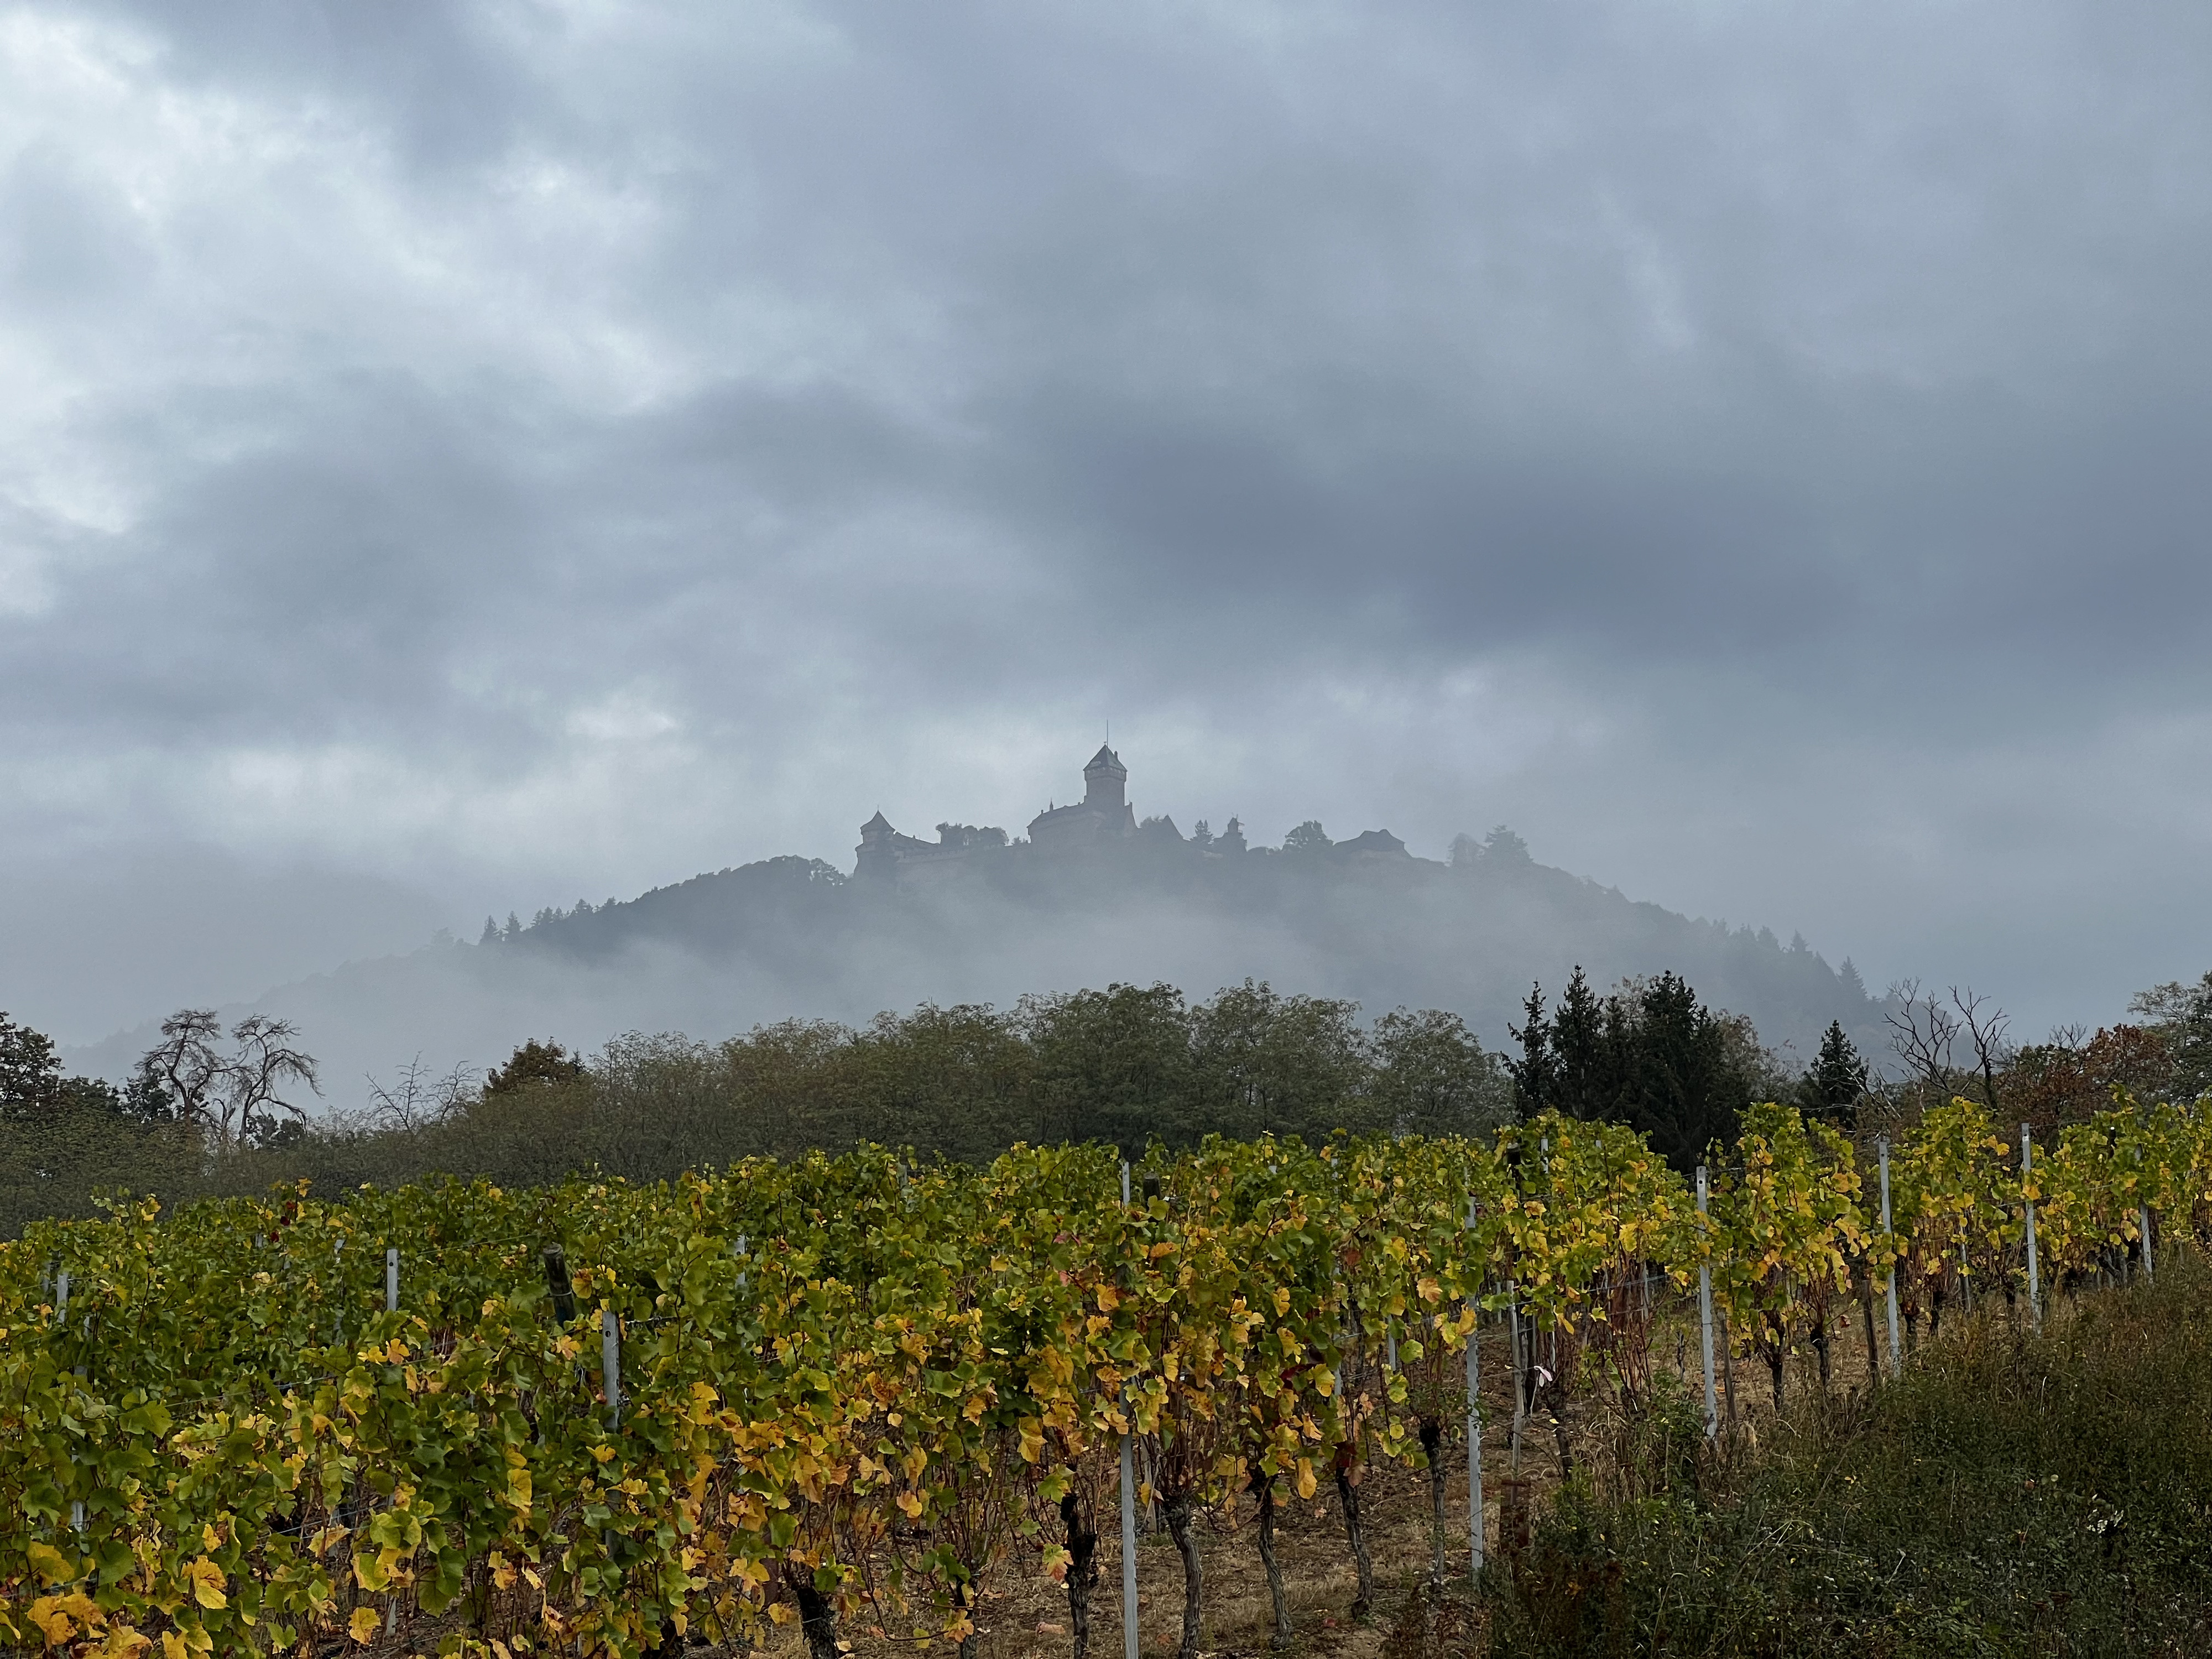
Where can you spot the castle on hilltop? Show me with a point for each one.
(1103, 819)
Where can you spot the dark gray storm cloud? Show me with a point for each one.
(484, 455)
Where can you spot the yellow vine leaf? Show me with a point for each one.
(50, 1564)
(51, 1614)
(207, 1582)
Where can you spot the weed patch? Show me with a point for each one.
(2012, 1494)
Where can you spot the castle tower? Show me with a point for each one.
(1103, 813)
(1104, 781)
(877, 852)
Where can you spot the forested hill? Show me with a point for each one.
(788, 936)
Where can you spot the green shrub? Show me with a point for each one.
(2011, 1495)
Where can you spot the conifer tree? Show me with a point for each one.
(1586, 1080)
(1835, 1080)
(1535, 1076)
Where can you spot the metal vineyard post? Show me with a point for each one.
(1520, 1389)
(1474, 1429)
(1889, 1234)
(1128, 1511)
(61, 1323)
(391, 1306)
(611, 1363)
(1705, 1318)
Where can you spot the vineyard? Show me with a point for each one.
(848, 1393)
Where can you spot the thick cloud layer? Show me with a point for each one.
(481, 455)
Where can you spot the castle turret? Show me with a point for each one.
(1104, 781)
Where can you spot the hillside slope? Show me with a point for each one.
(714, 955)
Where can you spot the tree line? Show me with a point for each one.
(1127, 1065)
(210, 1112)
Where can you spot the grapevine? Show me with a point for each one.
(857, 1390)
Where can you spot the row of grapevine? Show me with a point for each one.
(849, 1391)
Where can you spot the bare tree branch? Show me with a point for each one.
(416, 1100)
(189, 1067)
(1923, 1032)
(266, 1061)
(227, 1097)
(1986, 1029)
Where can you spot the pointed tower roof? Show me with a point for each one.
(1105, 761)
(879, 821)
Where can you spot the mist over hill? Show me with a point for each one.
(975, 917)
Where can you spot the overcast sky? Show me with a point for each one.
(457, 458)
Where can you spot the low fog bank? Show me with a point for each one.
(714, 956)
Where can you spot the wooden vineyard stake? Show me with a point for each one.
(557, 1283)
